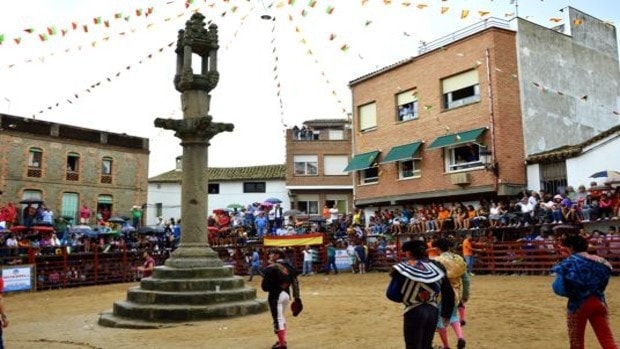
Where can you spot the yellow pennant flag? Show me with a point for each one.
(483, 13)
(464, 14)
(444, 10)
(578, 21)
(422, 6)
(555, 19)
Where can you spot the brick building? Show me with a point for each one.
(457, 122)
(442, 126)
(316, 155)
(67, 166)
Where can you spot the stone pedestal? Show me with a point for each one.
(194, 284)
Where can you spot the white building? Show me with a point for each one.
(227, 186)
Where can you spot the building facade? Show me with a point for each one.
(457, 122)
(67, 167)
(226, 186)
(442, 126)
(316, 155)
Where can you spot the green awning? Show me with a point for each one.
(457, 138)
(402, 152)
(361, 161)
(104, 199)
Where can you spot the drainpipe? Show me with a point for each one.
(492, 121)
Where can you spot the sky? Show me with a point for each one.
(110, 65)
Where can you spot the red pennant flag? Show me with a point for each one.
(43, 37)
(29, 30)
(17, 40)
(118, 15)
(85, 27)
(74, 25)
(139, 12)
(149, 10)
(106, 23)
(51, 30)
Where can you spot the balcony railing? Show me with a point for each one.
(465, 32)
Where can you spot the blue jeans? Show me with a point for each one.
(469, 260)
(307, 267)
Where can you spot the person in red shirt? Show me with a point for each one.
(149, 264)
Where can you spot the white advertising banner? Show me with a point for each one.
(17, 278)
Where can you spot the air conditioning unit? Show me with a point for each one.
(460, 178)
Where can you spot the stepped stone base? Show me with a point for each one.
(175, 296)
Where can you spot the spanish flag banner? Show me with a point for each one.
(293, 240)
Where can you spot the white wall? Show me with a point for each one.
(603, 155)
(169, 194)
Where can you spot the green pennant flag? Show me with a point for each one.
(1, 38)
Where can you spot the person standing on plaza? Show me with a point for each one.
(459, 280)
(468, 253)
(360, 257)
(254, 263)
(4, 320)
(307, 266)
(582, 278)
(331, 259)
(147, 268)
(279, 277)
(421, 286)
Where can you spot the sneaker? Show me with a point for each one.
(560, 222)
(461, 343)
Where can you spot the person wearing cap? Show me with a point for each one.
(582, 278)
(279, 277)
(421, 285)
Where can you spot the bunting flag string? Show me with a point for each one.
(109, 78)
(276, 76)
(239, 26)
(328, 82)
(49, 31)
(94, 43)
(582, 98)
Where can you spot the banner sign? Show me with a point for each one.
(17, 278)
(293, 240)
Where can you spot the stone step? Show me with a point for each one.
(142, 296)
(191, 284)
(175, 313)
(165, 272)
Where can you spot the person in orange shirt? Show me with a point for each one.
(431, 251)
(442, 217)
(468, 253)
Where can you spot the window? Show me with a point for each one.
(35, 157)
(368, 116)
(70, 208)
(335, 135)
(369, 175)
(339, 201)
(464, 157)
(306, 165)
(73, 167)
(553, 177)
(159, 209)
(409, 169)
(308, 203)
(214, 188)
(407, 103)
(461, 89)
(106, 170)
(254, 187)
(333, 165)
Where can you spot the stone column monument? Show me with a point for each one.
(193, 284)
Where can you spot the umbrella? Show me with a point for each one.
(116, 220)
(80, 229)
(128, 228)
(31, 201)
(608, 174)
(292, 212)
(151, 230)
(235, 205)
(273, 201)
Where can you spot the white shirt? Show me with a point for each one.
(307, 256)
(333, 214)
